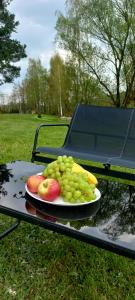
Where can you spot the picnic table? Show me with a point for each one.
(110, 225)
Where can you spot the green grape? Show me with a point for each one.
(77, 194)
(72, 200)
(68, 196)
(65, 181)
(50, 171)
(62, 164)
(62, 167)
(72, 189)
(74, 186)
(78, 185)
(82, 185)
(53, 175)
(92, 186)
(64, 158)
(71, 183)
(67, 165)
(51, 165)
(83, 199)
(58, 174)
(59, 159)
(45, 173)
(70, 158)
(67, 188)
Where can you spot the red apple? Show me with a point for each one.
(33, 182)
(32, 210)
(49, 189)
(46, 217)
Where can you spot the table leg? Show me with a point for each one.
(10, 229)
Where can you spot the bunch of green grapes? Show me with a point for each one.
(57, 168)
(76, 189)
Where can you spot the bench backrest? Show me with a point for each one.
(98, 129)
(129, 147)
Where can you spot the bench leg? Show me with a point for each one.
(10, 229)
(107, 166)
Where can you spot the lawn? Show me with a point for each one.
(39, 264)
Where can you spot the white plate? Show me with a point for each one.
(59, 200)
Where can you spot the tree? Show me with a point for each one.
(83, 88)
(35, 86)
(11, 51)
(102, 34)
(17, 99)
(58, 95)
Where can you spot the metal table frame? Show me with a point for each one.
(88, 238)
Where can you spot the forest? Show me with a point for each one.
(98, 37)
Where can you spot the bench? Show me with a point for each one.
(102, 135)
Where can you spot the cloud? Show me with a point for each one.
(35, 36)
(45, 57)
(39, 10)
(37, 20)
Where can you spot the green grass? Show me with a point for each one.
(39, 264)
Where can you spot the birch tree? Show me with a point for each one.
(102, 34)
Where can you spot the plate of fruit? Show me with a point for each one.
(64, 182)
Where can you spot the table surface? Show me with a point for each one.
(109, 225)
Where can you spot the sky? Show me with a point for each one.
(37, 20)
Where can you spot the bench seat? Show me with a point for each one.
(75, 153)
(98, 134)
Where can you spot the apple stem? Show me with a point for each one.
(45, 184)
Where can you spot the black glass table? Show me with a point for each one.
(109, 224)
